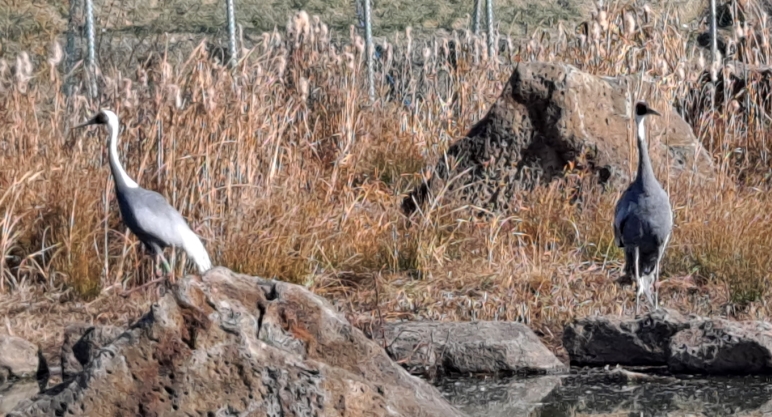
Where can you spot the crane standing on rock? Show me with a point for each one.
(643, 219)
(146, 213)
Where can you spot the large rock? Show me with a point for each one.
(666, 338)
(239, 345)
(723, 347)
(18, 358)
(603, 340)
(550, 115)
(82, 342)
(489, 347)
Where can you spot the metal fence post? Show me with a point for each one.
(91, 57)
(369, 51)
(360, 13)
(74, 23)
(713, 30)
(476, 16)
(491, 51)
(231, 33)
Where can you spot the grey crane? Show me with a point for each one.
(643, 219)
(145, 212)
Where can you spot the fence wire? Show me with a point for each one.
(114, 34)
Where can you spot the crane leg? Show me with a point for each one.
(161, 266)
(165, 264)
(648, 283)
(638, 282)
(660, 254)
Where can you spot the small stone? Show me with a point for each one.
(18, 358)
(12, 394)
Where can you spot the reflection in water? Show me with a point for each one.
(589, 393)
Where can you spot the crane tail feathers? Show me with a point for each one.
(197, 252)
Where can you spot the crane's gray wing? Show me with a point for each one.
(154, 216)
(661, 222)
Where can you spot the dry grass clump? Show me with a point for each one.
(286, 170)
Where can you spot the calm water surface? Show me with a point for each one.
(582, 394)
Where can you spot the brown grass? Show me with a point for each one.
(305, 186)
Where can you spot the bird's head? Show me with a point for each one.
(642, 109)
(104, 117)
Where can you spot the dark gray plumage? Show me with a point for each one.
(146, 213)
(643, 219)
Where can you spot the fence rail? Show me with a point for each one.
(88, 30)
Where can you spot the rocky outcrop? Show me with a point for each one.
(685, 344)
(481, 347)
(82, 342)
(602, 340)
(550, 115)
(233, 344)
(18, 359)
(723, 347)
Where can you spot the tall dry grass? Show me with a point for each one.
(286, 170)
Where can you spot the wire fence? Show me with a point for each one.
(97, 28)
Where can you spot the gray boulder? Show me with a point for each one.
(489, 347)
(719, 346)
(231, 344)
(604, 340)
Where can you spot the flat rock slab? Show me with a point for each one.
(604, 340)
(18, 358)
(723, 347)
(485, 347)
(231, 344)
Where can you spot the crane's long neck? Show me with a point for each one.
(645, 171)
(121, 178)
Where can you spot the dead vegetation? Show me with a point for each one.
(286, 170)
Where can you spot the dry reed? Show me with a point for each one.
(286, 171)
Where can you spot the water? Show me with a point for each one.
(581, 393)
(591, 393)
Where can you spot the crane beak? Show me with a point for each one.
(88, 123)
(652, 111)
